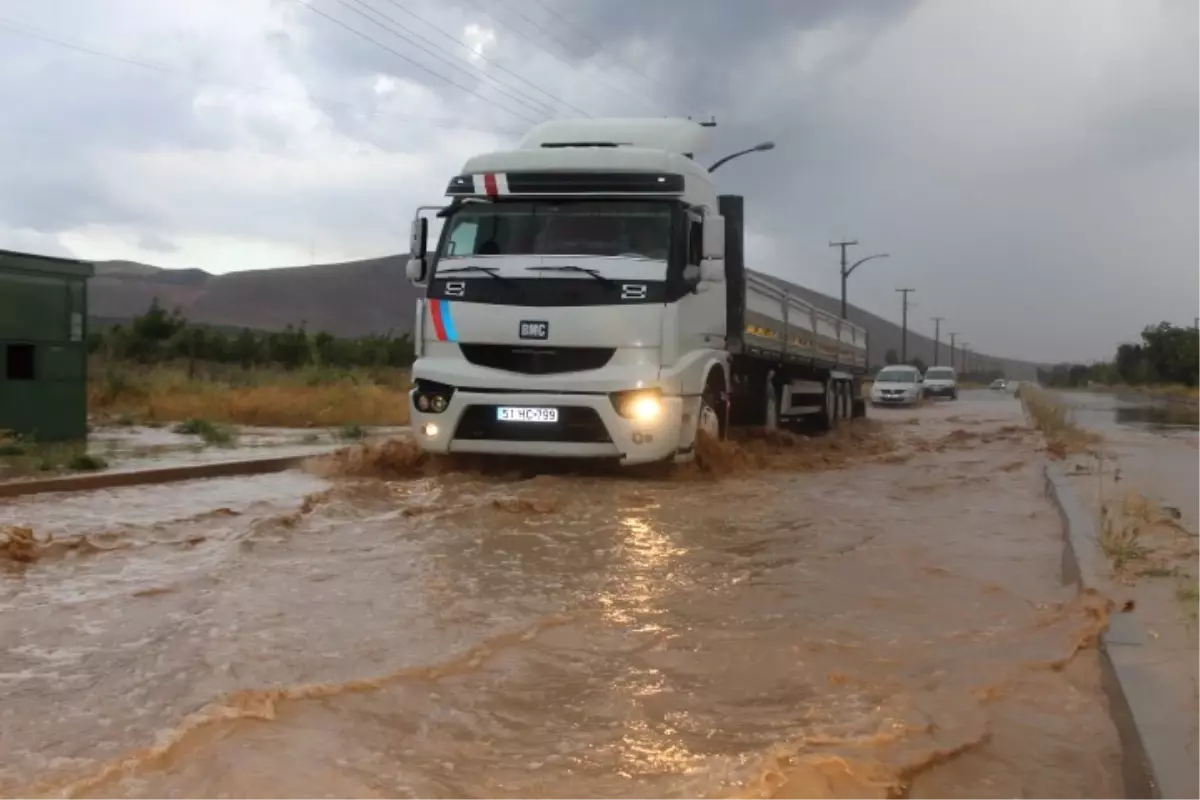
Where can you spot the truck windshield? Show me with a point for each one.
(631, 228)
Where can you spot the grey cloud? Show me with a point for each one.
(157, 244)
(1046, 210)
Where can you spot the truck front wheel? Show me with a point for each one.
(714, 409)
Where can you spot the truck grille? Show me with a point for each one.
(575, 424)
(536, 360)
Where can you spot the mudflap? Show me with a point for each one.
(858, 409)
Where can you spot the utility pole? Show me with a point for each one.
(845, 272)
(904, 326)
(952, 335)
(965, 357)
(937, 329)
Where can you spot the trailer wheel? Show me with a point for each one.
(771, 404)
(828, 417)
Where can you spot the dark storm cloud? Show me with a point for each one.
(1027, 164)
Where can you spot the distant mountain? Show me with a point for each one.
(357, 298)
(351, 299)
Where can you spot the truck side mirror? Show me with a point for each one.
(714, 238)
(415, 270)
(417, 242)
(418, 238)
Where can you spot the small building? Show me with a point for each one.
(43, 346)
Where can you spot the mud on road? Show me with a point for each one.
(874, 614)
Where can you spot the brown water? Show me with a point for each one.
(880, 615)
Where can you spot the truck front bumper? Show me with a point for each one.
(588, 426)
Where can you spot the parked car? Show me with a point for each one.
(896, 385)
(1000, 384)
(941, 382)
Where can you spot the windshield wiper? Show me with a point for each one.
(489, 271)
(608, 282)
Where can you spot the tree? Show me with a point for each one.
(891, 357)
(921, 365)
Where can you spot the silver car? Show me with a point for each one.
(896, 385)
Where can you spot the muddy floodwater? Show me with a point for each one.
(880, 615)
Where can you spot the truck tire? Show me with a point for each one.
(770, 404)
(712, 417)
(828, 417)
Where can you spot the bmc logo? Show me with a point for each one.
(534, 329)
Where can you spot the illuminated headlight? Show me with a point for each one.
(644, 406)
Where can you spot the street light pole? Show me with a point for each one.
(965, 357)
(761, 147)
(937, 328)
(952, 335)
(904, 325)
(846, 271)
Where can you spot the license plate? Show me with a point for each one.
(520, 414)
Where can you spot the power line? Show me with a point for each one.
(12, 27)
(412, 61)
(581, 32)
(481, 56)
(532, 103)
(566, 47)
(527, 38)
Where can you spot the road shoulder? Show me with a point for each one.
(1150, 652)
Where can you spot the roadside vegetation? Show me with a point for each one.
(162, 369)
(1165, 363)
(21, 457)
(1053, 419)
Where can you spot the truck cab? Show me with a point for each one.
(575, 300)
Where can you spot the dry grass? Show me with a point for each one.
(1053, 419)
(304, 398)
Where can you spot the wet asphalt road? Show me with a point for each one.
(878, 613)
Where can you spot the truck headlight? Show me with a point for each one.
(431, 397)
(640, 405)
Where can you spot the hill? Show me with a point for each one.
(358, 298)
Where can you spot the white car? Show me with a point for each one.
(941, 382)
(896, 385)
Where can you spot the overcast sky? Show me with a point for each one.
(1030, 165)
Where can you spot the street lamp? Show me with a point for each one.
(761, 147)
(846, 274)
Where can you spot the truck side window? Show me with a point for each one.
(695, 240)
(462, 239)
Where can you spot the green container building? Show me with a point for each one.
(43, 346)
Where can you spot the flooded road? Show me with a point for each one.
(877, 613)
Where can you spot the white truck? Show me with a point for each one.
(588, 298)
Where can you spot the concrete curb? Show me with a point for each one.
(1147, 715)
(135, 477)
